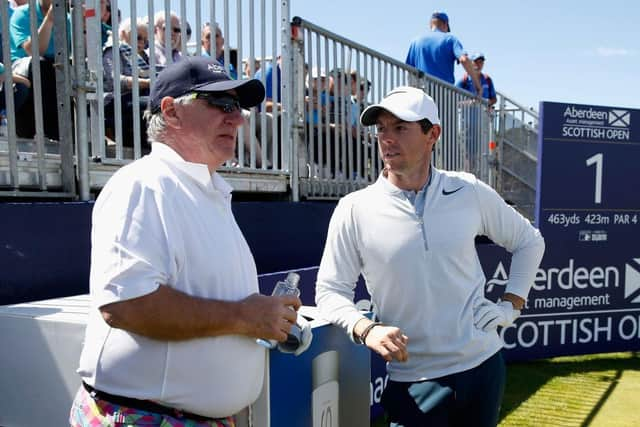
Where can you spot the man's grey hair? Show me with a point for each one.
(124, 29)
(159, 18)
(156, 126)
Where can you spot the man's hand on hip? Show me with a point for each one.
(487, 315)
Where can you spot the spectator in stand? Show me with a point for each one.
(10, 8)
(22, 54)
(207, 47)
(176, 309)
(272, 102)
(473, 116)
(488, 90)
(127, 56)
(359, 93)
(411, 235)
(105, 20)
(436, 52)
(161, 51)
(246, 71)
(316, 101)
(21, 84)
(21, 87)
(317, 95)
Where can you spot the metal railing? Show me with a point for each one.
(517, 154)
(260, 164)
(335, 154)
(36, 150)
(309, 145)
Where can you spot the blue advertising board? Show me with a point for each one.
(586, 295)
(324, 386)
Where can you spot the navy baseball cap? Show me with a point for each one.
(202, 74)
(441, 16)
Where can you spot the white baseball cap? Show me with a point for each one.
(406, 103)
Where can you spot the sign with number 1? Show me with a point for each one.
(586, 294)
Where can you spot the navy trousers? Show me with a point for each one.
(471, 397)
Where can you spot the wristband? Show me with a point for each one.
(363, 335)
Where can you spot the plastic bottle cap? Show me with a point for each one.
(293, 279)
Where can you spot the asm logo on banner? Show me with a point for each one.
(619, 118)
(632, 281)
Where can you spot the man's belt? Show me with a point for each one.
(144, 405)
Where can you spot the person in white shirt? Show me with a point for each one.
(175, 309)
(412, 237)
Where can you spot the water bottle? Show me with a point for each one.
(288, 286)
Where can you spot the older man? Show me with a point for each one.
(175, 312)
(412, 236)
(166, 54)
(207, 46)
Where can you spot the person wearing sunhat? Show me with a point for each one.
(175, 306)
(412, 237)
(436, 52)
(466, 82)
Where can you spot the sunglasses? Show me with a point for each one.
(176, 30)
(226, 103)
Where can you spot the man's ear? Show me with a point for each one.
(169, 112)
(436, 130)
(434, 135)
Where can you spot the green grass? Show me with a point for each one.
(601, 390)
(592, 390)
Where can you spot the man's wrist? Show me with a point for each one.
(362, 338)
(516, 301)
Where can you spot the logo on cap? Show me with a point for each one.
(215, 68)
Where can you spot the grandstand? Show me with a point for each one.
(309, 148)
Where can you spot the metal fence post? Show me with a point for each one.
(63, 95)
(290, 150)
(10, 112)
(500, 134)
(299, 146)
(80, 78)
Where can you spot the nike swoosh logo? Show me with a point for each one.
(446, 193)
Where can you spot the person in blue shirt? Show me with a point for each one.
(472, 114)
(105, 21)
(271, 101)
(23, 50)
(436, 52)
(488, 90)
(219, 46)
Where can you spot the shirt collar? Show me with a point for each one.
(199, 172)
(387, 186)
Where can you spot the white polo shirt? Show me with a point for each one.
(162, 220)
